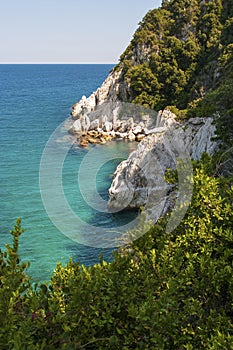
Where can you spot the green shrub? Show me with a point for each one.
(165, 291)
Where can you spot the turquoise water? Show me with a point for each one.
(34, 100)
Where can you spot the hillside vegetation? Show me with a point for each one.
(165, 291)
(182, 56)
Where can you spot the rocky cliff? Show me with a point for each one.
(140, 182)
(163, 139)
(106, 93)
(179, 61)
(103, 116)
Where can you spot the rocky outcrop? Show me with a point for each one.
(139, 180)
(117, 120)
(102, 112)
(104, 115)
(163, 140)
(108, 92)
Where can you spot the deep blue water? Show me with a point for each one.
(34, 100)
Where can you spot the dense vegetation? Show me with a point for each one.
(182, 56)
(166, 290)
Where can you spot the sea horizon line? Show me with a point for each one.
(54, 63)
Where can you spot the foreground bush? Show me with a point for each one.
(166, 291)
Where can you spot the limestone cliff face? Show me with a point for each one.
(139, 180)
(108, 92)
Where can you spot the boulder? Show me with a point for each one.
(77, 128)
(85, 105)
(140, 137)
(137, 130)
(131, 136)
(93, 133)
(113, 134)
(116, 125)
(123, 127)
(126, 125)
(107, 126)
(121, 135)
(85, 123)
(106, 136)
(83, 142)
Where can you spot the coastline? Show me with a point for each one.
(102, 117)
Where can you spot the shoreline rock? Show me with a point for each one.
(119, 120)
(139, 180)
(107, 92)
(103, 112)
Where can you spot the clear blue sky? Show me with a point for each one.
(72, 31)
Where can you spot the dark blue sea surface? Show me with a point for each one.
(34, 101)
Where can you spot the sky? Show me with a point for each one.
(68, 31)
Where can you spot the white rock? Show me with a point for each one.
(121, 135)
(202, 141)
(116, 125)
(107, 126)
(107, 91)
(112, 133)
(85, 123)
(141, 176)
(130, 123)
(166, 119)
(103, 119)
(137, 130)
(85, 105)
(155, 130)
(77, 126)
(131, 136)
(126, 125)
(115, 113)
(123, 127)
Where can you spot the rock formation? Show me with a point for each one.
(139, 180)
(108, 92)
(163, 140)
(110, 119)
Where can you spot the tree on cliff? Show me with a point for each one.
(186, 50)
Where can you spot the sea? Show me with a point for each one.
(35, 99)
